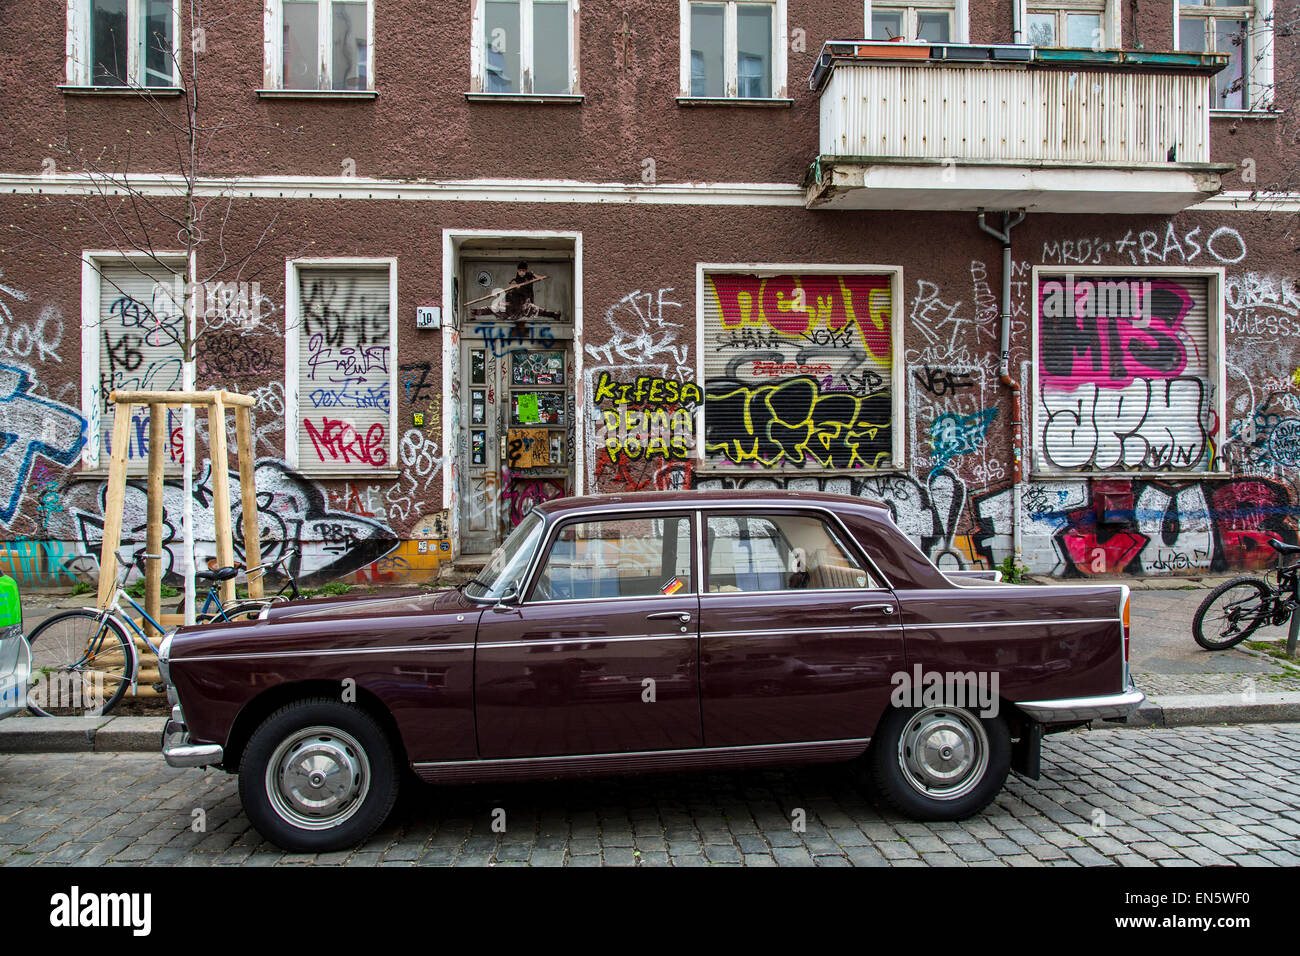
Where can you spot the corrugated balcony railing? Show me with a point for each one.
(916, 126)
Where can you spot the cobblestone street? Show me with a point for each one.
(1133, 798)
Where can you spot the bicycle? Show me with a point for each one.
(245, 608)
(1238, 608)
(83, 659)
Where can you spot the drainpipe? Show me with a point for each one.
(1003, 235)
(1017, 30)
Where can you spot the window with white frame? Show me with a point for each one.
(733, 49)
(525, 47)
(932, 21)
(341, 353)
(133, 327)
(1068, 23)
(127, 43)
(320, 45)
(1242, 30)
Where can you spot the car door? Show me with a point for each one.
(799, 635)
(601, 656)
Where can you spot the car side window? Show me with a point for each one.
(618, 557)
(780, 552)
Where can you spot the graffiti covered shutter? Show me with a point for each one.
(344, 369)
(798, 370)
(141, 327)
(1124, 374)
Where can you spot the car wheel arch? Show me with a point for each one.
(256, 711)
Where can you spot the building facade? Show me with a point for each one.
(1025, 271)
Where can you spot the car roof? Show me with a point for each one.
(668, 500)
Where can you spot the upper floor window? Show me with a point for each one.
(122, 43)
(733, 49)
(322, 45)
(525, 47)
(1244, 31)
(925, 21)
(1078, 23)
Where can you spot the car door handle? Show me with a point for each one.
(883, 608)
(682, 616)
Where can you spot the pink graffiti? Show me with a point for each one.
(337, 440)
(1110, 331)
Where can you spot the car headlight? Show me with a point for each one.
(164, 656)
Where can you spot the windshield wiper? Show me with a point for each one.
(464, 584)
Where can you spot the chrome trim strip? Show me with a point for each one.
(885, 592)
(774, 632)
(595, 639)
(1106, 707)
(623, 597)
(969, 624)
(260, 655)
(747, 748)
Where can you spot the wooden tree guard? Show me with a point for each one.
(216, 403)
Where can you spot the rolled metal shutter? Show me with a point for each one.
(1123, 384)
(344, 369)
(798, 371)
(141, 328)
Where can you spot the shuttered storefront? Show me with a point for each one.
(1124, 373)
(345, 355)
(141, 327)
(798, 371)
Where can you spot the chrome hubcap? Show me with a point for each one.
(318, 778)
(943, 753)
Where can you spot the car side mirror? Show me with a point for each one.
(507, 598)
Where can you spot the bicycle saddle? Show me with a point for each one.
(224, 574)
(1282, 548)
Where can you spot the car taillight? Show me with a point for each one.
(1127, 628)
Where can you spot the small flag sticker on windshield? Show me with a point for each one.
(673, 586)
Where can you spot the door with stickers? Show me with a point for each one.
(517, 391)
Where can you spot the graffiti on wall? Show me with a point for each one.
(798, 370)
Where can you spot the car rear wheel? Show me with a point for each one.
(318, 775)
(939, 763)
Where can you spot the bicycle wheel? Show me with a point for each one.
(81, 665)
(1231, 613)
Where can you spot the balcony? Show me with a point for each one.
(957, 127)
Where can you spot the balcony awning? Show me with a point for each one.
(886, 183)
(961, 127)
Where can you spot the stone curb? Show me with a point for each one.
(87, 734)
(1191, 710)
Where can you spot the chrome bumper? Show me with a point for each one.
(179, 752)
(1069, 710)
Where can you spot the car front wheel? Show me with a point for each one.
(939, 763)
(318, 775)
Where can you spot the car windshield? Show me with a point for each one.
(510, 561)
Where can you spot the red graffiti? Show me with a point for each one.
(337, 440)
(800, 305)
(1092, 556)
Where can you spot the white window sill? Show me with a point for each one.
(554, 99)
(1245, 114)
(318, 94)
(740, 101)
(71, 90)
(349, 475)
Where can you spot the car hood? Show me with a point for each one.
(395, 602)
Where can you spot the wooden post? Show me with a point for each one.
(153, 523)
(114, 502)
(221, 491)
(248, 501)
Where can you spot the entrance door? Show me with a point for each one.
(517, 396)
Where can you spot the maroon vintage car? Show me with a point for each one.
(642, 632)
